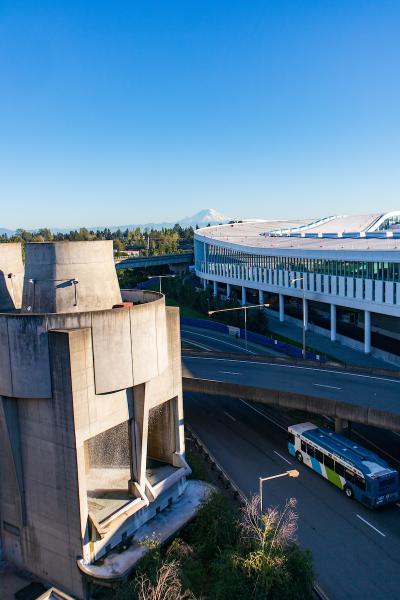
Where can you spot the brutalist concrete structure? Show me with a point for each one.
(91, 417)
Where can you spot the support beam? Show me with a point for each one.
(228, 290)
(367, 332)
(260, 297)
(281, 308)
(341, 425)
(204, 284)
(305, 314)
(215, 288)
(243, 296)
(333, 322)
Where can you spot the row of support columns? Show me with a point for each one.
(367, 313)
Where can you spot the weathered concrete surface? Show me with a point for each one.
(69, 277)
(312, 404)
(11, 276)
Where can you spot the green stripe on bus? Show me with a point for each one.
(333, 477)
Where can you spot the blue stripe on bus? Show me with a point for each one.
(291, 449)
(316, 465)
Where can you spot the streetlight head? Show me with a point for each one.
(293, 473)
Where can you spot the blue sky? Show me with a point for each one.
(132, 111)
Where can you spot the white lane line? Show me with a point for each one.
(331, 387)
(282, 457)
(256, 362)
(396, 433)
(229, 372)
(202, 346)
(209, 337)
(372, 527)
(228, 415)
(263, 415)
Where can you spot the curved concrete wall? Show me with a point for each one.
(11, 276)
(65, 277)
(129, 346)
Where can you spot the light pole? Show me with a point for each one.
(159, 278)
(245, 308)
(292, 473)
(304, 314)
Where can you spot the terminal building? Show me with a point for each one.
(341, 273)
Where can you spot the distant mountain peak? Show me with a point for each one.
(205, 216)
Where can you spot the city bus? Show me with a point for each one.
(360, 473)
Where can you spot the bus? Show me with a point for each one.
(360, 473)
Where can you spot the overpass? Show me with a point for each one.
(135, 262)
(366, 396)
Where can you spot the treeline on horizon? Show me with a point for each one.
(150, 242)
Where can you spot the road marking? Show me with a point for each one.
(372, 527)
(263, 415)
(332, 387)
(209, 337)
(396, 433)
(229, 372)
(202, 346)
(228, 415)
(256, 362)
(282, 457)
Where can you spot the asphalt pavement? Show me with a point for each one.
(355, 550)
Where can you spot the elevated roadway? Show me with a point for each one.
(369, 397)
(183, 258)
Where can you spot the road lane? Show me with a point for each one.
(353, 561)
(360, 389)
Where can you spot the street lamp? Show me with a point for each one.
(159, 278)
(304, 314)
(212, 312)
(291, 473)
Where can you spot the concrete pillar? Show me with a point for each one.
(281, 308)
(215, 288)
(305, 313)
(204, 284)
(243, 295)
(333, 322)
(228, 290)
(260, 297)
(341, 425)
(367, 332)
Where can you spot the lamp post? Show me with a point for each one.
(245, 308)
(291, 473)
(159, 278)
(304, 314)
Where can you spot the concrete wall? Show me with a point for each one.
(11, 276)
(69, 277)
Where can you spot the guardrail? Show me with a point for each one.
(256, 338)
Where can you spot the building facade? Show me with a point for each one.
(91, 414)
(341, 262)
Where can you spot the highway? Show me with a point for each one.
(355, 550)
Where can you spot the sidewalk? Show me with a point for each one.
(323, 344)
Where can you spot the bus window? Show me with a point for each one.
(291, 438)
(339, 469)
(328, 462)
(303, 446)
(310, 450)
(349, 476)
(319, 456)
(359, 482)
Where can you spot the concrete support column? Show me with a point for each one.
(367, 332)
(333, 322)
(243, 295)
(204, 284)
(228, 290)
(341, 425)
(281, 308)
(305, 313)
(215, 288)
(260, 297)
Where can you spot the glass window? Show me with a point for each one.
(339, 469)
(310, 450)
(349, 476)
(319, 456)
(329, 462)
(359, 482)
(290, 437)
(303, 446)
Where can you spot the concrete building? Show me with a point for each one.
(91, 417)
(345, 267)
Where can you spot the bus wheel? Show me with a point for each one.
(299, 456)
(348, 491)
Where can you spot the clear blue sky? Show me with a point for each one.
(132, 111)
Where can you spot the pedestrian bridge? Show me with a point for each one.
(135, 262)
(367, 396)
